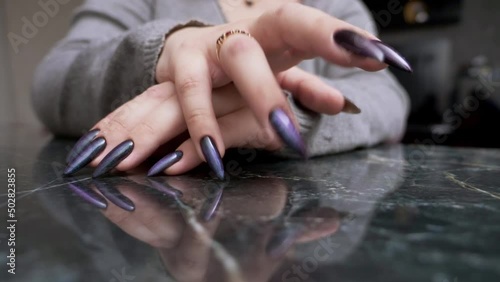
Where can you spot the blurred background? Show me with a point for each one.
(452, 44)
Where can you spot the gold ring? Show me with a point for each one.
(224, 36)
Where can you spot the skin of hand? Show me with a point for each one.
(281, 38)
(250, 75)
(155, 117)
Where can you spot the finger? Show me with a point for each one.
(243, 60)
(194, 88)
(234, 134)
(307, 33)
(116, 127)
(314, 93)
(166, 122)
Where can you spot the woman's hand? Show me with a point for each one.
(188, 70)
(154, 118)
(281, 38)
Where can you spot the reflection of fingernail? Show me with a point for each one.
(166, 189)
(212, 156)
(113, 158)
(86, 156)
(281, 241)
(393, 58)
(88, 195)
(350, 107)
(358, 44)
(286, 130)
(165, 163)
(81, 144)
(211, 204)
(114, 196)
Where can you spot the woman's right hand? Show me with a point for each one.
(280, 39)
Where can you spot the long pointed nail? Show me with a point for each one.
(114, 196)
(86, 156)
(81, 144)
(166, 162)
(113, 158)
(393, 58)
(286, 130)
(166, 189)
(88, 195)
(209, 208)
(350, 107)
(358, 44)
(212, 156)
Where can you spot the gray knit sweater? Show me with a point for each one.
(110, 53)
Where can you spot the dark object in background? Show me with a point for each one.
(397, 14)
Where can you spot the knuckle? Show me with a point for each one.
(197, 116)
(285, 10)
(188, 84)
(239, 45)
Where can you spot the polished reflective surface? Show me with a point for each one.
(392, 213)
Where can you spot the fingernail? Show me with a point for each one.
(358, 44)
(81, 144)
(393, 58)
(114, 196)
(166, 189)
(209, 208)
(212, 156)
(88, 154)
(88, 195)
(113, 158)
(165, 163)
(350, 107)
(286, 130)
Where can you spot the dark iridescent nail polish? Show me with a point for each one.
(81, 144)
(350, 107)
(358, 44)
(393, 58)
(212, 156)
(165, 163)
(113, 158)
(282, 240)
(88, 195)
(286, 130)
(211, 204)
(114, 196)
(86, 156)
(166, 189)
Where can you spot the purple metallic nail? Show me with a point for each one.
(286, 130)
(358, 44)
(209, 208)
(165, 163)
(86, 156)
(88, 195)
(393, 58)
(113, 195)
(81, 144)
(212, 156)
(166, 189)
(113, 158)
